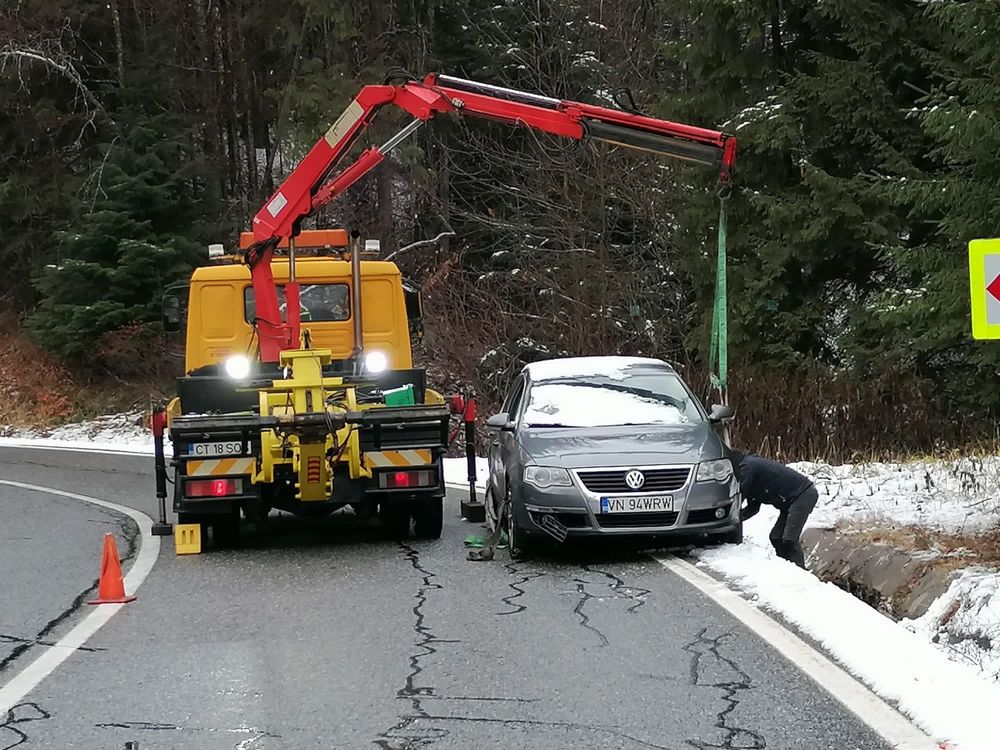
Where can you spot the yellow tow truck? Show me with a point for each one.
(303, 435)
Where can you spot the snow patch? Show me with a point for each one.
(614, 368)
(578, 406)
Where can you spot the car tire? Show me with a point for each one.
(428, 518)
(395, 518)
(520, 545)
(492, 511)
(733, 536)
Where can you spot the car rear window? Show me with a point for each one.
(652, 397)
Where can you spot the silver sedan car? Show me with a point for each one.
(604, 447)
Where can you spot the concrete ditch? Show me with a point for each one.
(900, 583)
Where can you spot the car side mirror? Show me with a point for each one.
(171, 313)
(500, 422)
(721, 414)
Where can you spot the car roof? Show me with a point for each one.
(576, 367)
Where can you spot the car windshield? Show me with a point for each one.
(647, 396)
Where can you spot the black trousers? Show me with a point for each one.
(788, 528)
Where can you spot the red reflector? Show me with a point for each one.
(394, 480)
(211, 488)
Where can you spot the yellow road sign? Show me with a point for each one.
(984, 287)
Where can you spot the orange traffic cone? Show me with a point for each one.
(111, 589)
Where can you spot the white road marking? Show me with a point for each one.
(882, 718)
(149, 548)
(41, 445)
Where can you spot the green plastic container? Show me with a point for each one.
(402, 396)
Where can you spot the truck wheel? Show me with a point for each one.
(428, 518)
(395, 519)
(226, 532)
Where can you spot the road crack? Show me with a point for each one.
(249, 742)
(733, 737)
(130, 534)
(404, 735)
(516, 609)
(635, 594)
(552, 725)
(11, 734)
(586, 596)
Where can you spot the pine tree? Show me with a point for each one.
(118, 257)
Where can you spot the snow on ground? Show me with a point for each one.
(949, 701)
(961, 496)
(125, 433)
(943, 680)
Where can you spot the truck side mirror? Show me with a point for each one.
(414, 307)
(171, 313)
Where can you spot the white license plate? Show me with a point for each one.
(653, 504)
(210, 450)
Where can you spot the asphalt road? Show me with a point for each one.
(321, 635)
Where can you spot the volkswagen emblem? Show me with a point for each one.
(635, 479)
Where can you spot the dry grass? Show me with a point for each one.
(36, 390)
(954, 550)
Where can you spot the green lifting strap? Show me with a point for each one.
(718, 358)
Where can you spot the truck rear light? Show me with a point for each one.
(402, 479)
(213, 487)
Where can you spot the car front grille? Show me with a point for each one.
(620, 520)
(706, 515)
(612, 481)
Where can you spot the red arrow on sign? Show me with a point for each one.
(994, 288)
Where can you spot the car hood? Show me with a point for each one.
(631, 445)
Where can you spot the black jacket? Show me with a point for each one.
(767, 482)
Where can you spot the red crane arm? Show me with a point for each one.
(312, 184)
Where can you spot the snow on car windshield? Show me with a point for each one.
(599, 402)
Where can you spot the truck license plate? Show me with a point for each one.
(637, 504)
(210, 450)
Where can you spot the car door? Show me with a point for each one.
(501, 441)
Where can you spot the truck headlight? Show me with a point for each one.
(547, 476)
(376, 362)
(720, 470)
(237, 367)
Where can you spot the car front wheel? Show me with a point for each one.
(519, 543)
(733, 536)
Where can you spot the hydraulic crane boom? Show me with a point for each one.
(313, 182)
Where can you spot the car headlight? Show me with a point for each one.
(547, 476)
(720, 470)
(376, 362)
(237, 367)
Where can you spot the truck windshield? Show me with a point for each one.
(318, 303)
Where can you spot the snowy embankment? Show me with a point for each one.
(948, 690)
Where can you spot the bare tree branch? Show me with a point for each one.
(419, 244)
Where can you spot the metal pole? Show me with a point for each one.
(470, 445)
(724, 397)
(356, 292)
(158, 422)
